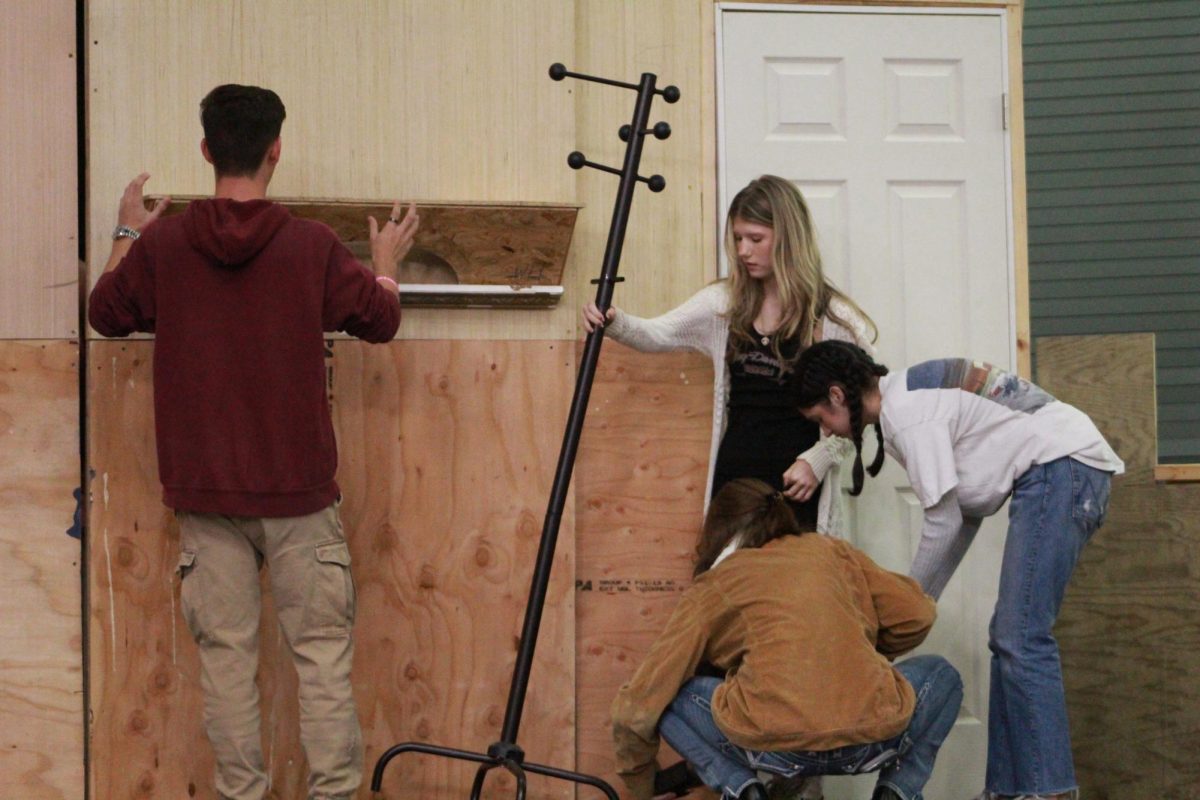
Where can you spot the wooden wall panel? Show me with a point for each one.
(667, 255)
(1116, 389)
(418, 100)
(1129, 629)
(38, 208)
(41, 684)
(443, 525)
(643, 464)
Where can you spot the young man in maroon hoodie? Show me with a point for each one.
(239, 294)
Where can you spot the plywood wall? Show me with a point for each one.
(41, 647)
(38, 208)
(443, 526)
(643, 466)
(1129, 629)
(41, 634)
(667, 247)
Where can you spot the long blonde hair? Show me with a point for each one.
(804, 291)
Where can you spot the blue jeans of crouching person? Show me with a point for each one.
(904, 762)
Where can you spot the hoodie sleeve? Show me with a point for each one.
(122, 301)
(355, 302)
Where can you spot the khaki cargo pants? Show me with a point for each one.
(314, 599)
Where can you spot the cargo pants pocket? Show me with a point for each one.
(332, 601)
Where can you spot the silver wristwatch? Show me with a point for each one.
(125, 232)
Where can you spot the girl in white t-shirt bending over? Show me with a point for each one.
(970, 436)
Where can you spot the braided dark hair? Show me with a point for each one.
(836, 363)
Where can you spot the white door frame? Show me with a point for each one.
(724, 194)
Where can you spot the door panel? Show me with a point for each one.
(892, 126)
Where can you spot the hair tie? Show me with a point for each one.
(777, 496)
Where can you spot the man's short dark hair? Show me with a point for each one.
(240, 124)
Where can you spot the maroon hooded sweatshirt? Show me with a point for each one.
(239, 296)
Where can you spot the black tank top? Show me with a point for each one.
(764, 431)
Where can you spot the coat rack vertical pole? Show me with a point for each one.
(506, 752)
(583, 389)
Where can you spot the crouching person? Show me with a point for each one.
(805, 628)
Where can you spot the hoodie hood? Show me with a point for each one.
(232, 232)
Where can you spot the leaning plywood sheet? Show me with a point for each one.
(447, 451)
(643, 465)
(448, 454)
(41, 682)
(1128, 628)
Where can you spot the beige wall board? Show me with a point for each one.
(643, 465)
(664, 257)
(1020, 210)
(39, 208)
(447, 450)
(1128, 629)
(41, 675)
(413, 99)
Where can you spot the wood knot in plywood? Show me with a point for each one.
(494, 716)
(424, 729)
(385, 539)
(145, 785)
(412, 672)
(162, 681)
(483, 554)
(527, 525)
(428, 578)
(126, 555)
(138, 722)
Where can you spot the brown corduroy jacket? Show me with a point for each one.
(805, 628)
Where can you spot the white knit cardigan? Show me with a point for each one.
(700, 325)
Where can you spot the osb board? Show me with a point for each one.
(1128, 630)
(41, 682)
(1112, 378)
(447, 451)
(643, 464)
(667, 255)
(40, 262)
(385, 99)
(499, 245)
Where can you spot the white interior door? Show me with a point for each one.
(892, 123)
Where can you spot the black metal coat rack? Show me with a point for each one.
(506, 753)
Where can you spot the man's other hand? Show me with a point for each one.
(392, 242)
(132, 211)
